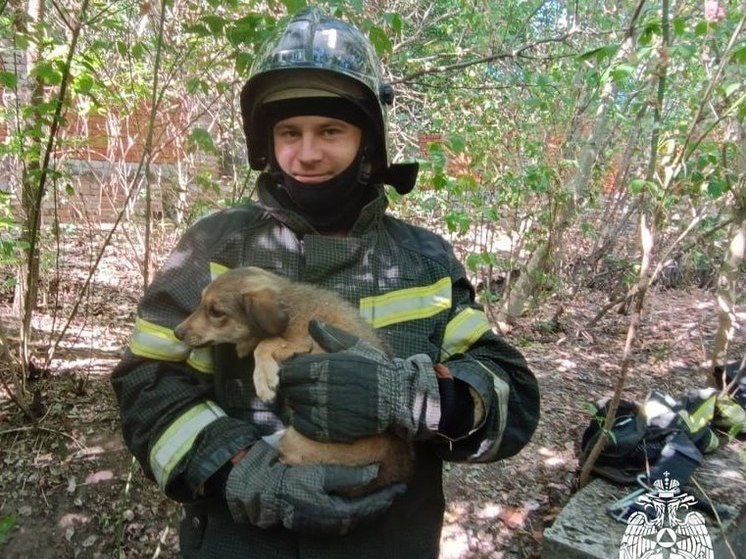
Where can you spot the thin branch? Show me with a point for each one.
(719, 521)
(530, 17)
(62, 15)
(685, 150)
(634, 324)
(484, 60)
(53, 134)
(13, 361)
(77, 442)
(155, 101)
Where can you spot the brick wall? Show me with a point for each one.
(101, 154)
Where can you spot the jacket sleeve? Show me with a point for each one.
(504, 388)
(165, 390)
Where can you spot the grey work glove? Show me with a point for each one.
(356, 390)
(265, 492)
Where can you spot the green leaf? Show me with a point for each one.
(491, 214)
(214, 23)
(716, 187)
(201, 139)
(246, 30)
(622, 71)
(243, 63)
(739, 55)
(458, 222)
(22, 41)
(394, 20)
(684, 50)
(589, 408)
(473, 261)
(679, 26)
(599, 54)
(638, 186)
(294, 5)
(6, 524)
(138, 50)
(8, 79)
(46, 72)
(651, 29)
(195, 85)
(84, 83)
(489, 258)
(380, 40)
(701, 28)
(198, 29)
(440, 181)
(457, 143)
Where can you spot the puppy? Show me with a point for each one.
(265, 313)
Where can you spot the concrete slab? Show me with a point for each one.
(584, 530)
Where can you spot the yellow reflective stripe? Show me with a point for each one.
(201, 359)
(463, 330)
(176, 441)
(217, 270)
(157, 342)
(700, 417)
(154, 341)
(411, 303)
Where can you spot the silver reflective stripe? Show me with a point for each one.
(463, 330)
(176, 441)
(491, 445)
(201, 359)
(411, 303)
(157, 342)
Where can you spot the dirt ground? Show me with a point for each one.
(69, 488)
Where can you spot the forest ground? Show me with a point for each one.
(69, 488)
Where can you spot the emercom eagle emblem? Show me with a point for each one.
(663, 529)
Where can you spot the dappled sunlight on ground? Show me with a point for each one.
(72, 487)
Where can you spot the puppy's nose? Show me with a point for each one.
(179, 332)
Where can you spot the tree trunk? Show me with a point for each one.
(515, 302)
(30, 18)
(734, 257)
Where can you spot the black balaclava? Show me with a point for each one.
(335, 204)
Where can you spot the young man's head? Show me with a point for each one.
(313, 149)
(315, 106)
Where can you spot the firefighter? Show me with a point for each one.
(314, 114)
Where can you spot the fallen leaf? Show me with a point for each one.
(513, 517)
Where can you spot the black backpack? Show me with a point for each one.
(634, 451)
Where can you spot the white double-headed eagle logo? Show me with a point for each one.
(664, 529)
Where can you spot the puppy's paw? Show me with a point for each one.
(296, 450)
(266, 379)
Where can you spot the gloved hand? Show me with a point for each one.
(265, 492)
(356, 390)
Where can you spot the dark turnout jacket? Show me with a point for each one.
(185, 412)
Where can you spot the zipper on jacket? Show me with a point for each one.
(302, 259)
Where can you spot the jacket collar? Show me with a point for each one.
(276, 203)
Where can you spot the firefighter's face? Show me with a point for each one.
(314, 149)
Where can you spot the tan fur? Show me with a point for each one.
(265, 313)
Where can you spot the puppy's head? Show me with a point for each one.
(242, 307)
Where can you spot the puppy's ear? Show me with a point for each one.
(265, 312)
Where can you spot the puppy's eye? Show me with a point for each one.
(215, 312)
